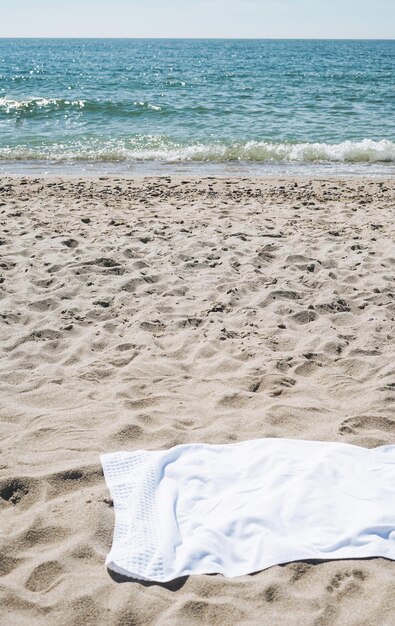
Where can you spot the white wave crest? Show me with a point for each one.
(165, 150)
(8, 105)
(366, 150)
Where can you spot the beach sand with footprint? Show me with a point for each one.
(145, 313)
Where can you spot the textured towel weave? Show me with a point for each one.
(239, 508)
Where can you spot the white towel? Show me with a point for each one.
(239, 508)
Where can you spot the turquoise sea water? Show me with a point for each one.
(271, 106)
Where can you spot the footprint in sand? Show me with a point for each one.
(367, 425)
(21, 492)
(44, 577)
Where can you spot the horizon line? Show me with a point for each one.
(203, 38)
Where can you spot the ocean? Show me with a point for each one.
(199, 106)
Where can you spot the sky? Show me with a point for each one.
(354, 19)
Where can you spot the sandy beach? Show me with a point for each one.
(144, 313)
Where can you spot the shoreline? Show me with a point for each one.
(236, 169)
(141, 313)
(355, 183)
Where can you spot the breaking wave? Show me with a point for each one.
(37, 106)
(9, 105)
(148, 148)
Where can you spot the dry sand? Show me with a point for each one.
(151, 312)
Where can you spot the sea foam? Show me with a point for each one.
(163, 149)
